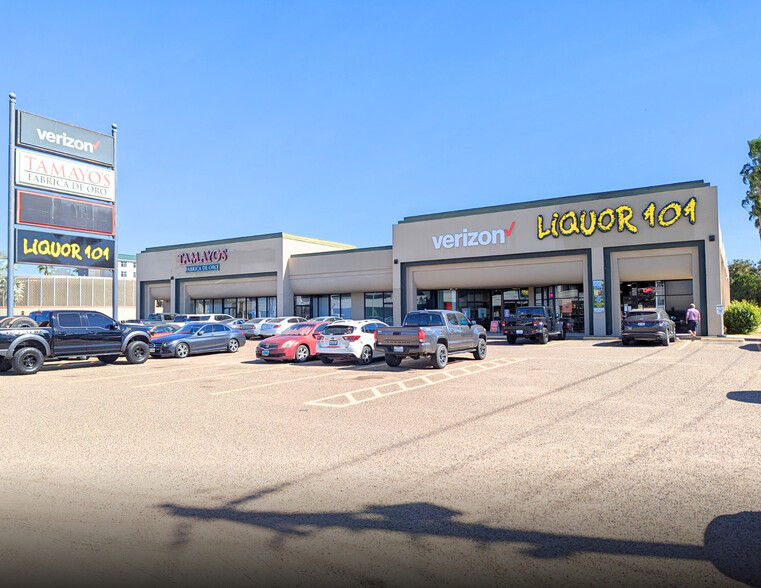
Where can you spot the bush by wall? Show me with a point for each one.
(742, 317)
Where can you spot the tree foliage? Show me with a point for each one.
(18, 287)
(751, 174)
(745, 280)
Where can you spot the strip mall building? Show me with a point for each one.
(591, 257)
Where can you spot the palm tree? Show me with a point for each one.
(751, 174)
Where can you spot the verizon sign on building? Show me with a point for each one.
(56, 174)
(50, 135)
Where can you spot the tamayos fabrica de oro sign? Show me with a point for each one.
(622, 218)
(206, 260)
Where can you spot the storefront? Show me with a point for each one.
(590, 257)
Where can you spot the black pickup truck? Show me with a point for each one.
(62, 334)
(534, 322)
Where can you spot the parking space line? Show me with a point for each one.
(373, 393)
(685, 344)
(204, 377)
(270, 384)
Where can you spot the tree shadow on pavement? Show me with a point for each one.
(731, 542)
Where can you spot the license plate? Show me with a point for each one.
(333, 343)
(265, 351)
(519, 331)
(398, 349)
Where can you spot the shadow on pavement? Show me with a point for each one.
(751, 396)
(731, 542)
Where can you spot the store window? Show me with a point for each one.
(323, 305)
(378, 305)
(241, 307)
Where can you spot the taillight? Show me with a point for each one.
(535, 323)
(375, 335)
(421, 335)
(318, 336)
(275, 326)
(351, 337)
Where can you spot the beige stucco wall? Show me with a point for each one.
(415, 241)
(254, 266)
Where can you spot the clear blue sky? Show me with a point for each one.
(334, 120)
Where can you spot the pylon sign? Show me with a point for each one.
(50, 156)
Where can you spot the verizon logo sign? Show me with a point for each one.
(472, 238)
(66, 141)
(45, 134)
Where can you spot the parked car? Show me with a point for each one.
(538, 323)
(272, 327)
(209, 318)
(434, 334)
(297, 343)
(161, 330)
(324, 319)
(250, 327)
(197, 338)
(236, 323)
(24, 345)
(349, 339)
(648, 324)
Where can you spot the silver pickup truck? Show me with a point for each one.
(434, 334)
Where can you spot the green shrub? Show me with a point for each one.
(742, 317)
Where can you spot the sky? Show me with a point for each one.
(337, 119)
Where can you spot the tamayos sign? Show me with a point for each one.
(587, 222)
(206, 260)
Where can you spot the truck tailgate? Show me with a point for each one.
(398, 336)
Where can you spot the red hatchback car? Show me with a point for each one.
(297, 343)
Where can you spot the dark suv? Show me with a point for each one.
(648, 324)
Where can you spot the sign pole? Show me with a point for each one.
(10, 284)
(115, 282)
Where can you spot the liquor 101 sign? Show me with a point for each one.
(59, 249)
(58, 158)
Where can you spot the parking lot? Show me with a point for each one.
(579, 462)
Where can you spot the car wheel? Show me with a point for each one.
(137, 352)
(561, 335)
(544, 337)
(625, 341)
(108, 358)
(393, 360)
(302, 354)
(673, 336)
(182, 350)
(233, 345)
(440, 358)
(512, 339)
(666, 339)
(366, 355)
(5, 365)
(480, 352)
(27, 360)
(326, 360)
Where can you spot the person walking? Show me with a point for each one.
(693, 320)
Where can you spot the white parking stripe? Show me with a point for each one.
(373, 393)
(270, 384)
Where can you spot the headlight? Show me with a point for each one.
(166, 345)
(289, 343)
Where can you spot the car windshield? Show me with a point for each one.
(530, 311)
(188, 329)
(181, 317)
(299, 330)
(338, 330)
(642, 316)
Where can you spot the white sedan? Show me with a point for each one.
(277, 325)
(349, 340)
